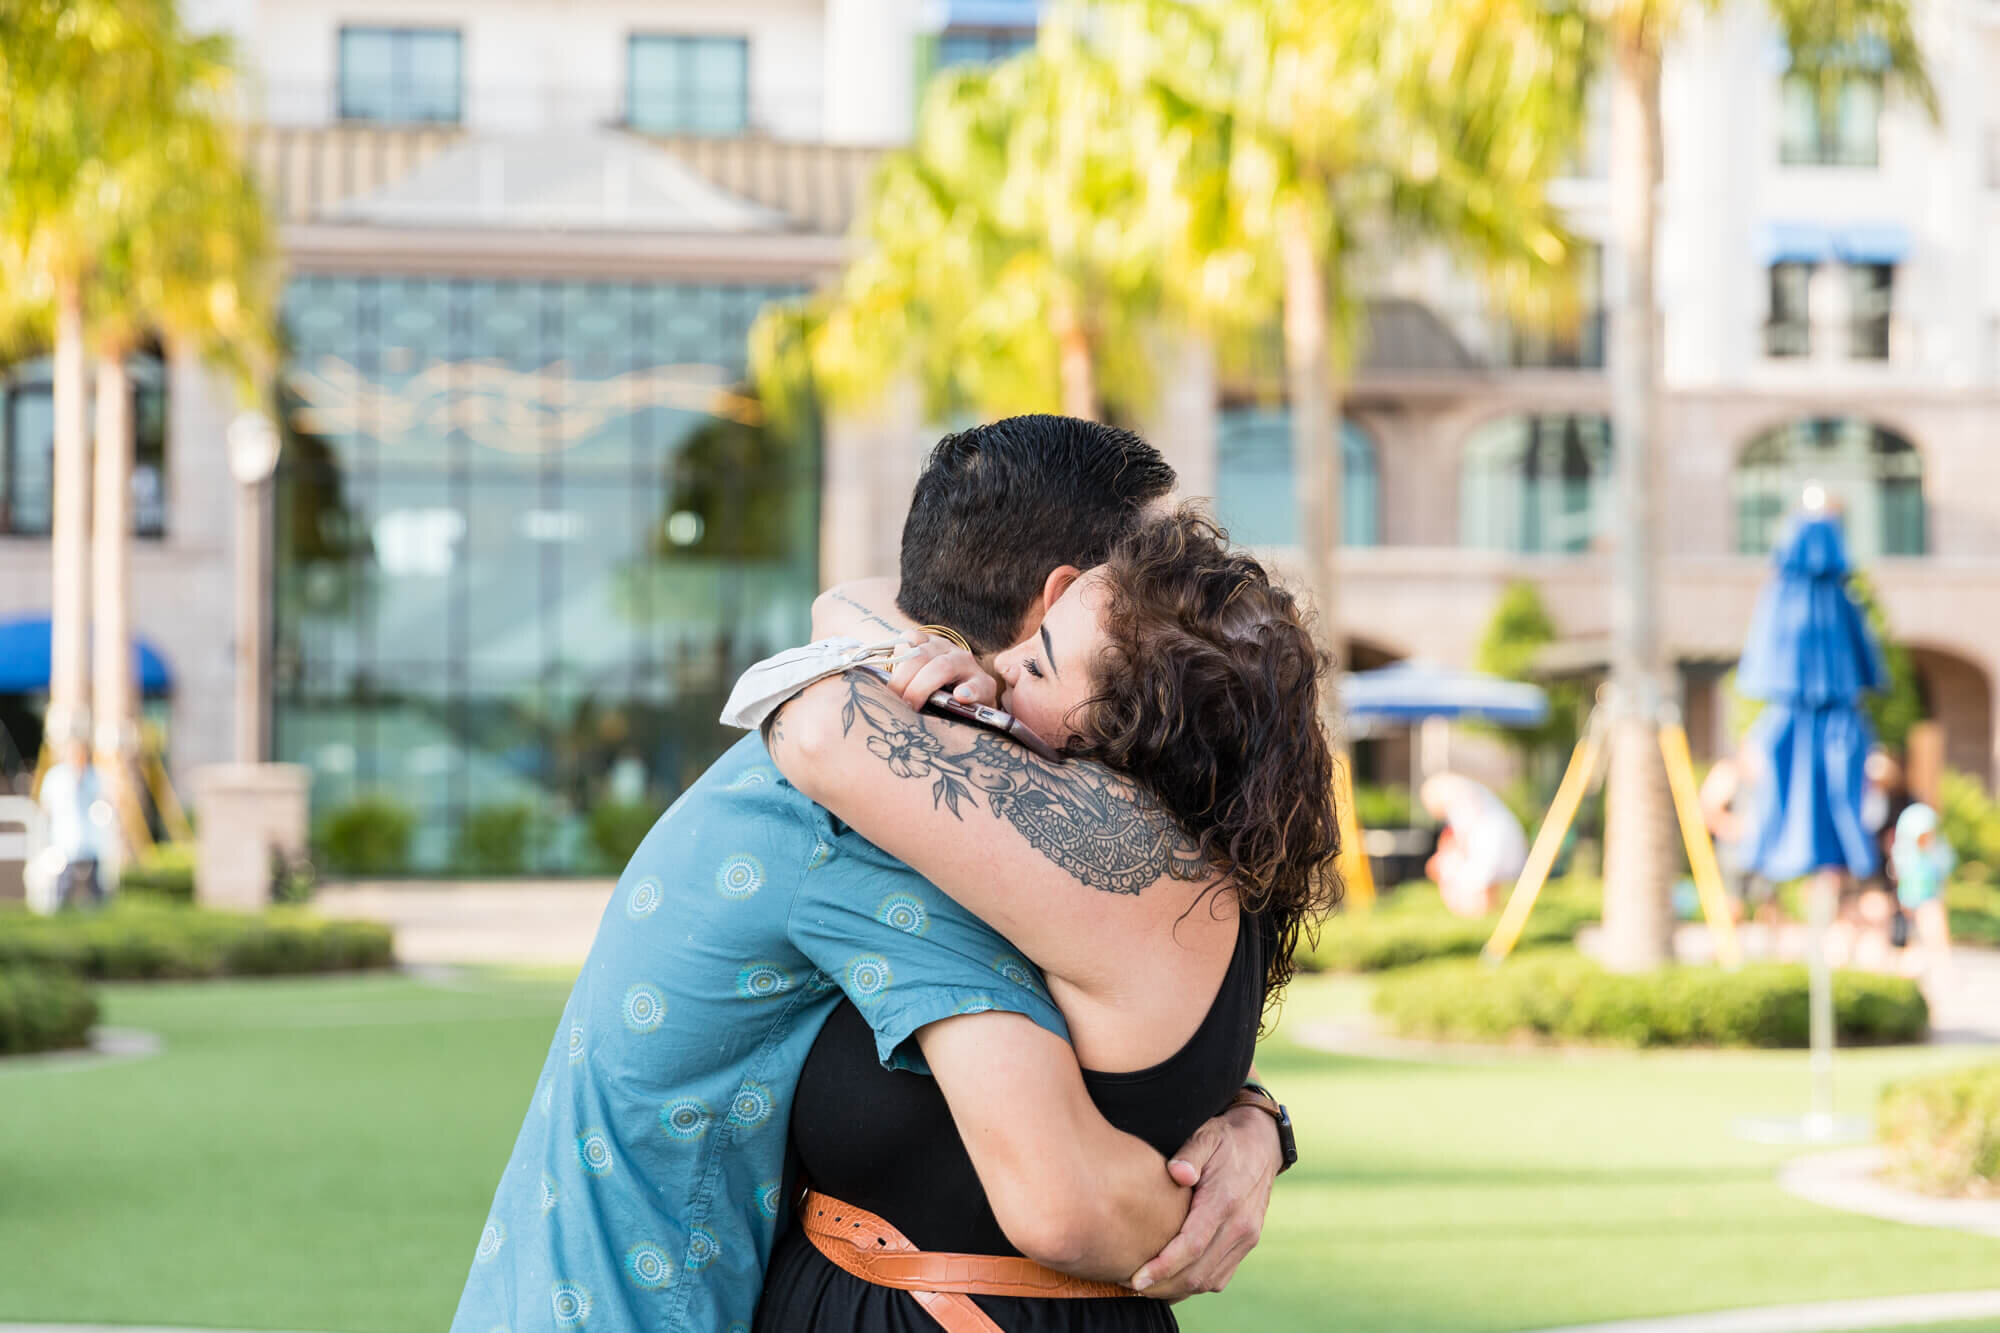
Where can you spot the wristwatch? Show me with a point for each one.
(1259, 1096)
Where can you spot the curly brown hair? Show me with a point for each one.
(1209, 697)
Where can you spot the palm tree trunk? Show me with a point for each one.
(1314, 412)
(1076, 364)
(1638, 864)
(113, 702)
(69, 530)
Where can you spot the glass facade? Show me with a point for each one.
(1537, 485)
(1256, 494)
(688, 85)
(1876, 475)
(400, 75)
(27, 447)
(528, 533)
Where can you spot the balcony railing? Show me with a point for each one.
(308, 171)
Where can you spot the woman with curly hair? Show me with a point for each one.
(1178, 671)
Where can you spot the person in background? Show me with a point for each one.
(1482, 848)
(1924, 861)
(70, 794)
(1861, 933)
(1726, 796)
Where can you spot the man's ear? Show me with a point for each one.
(1056, 584)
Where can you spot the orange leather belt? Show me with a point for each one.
(859, 1242)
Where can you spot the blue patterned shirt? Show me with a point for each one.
(646, 1188)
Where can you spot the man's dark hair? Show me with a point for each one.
(1001, 505)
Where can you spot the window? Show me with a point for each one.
(408, 75)
(688, 85)
(1789, 330)
(27, 448)
(1256, 496)
(1836, 127)
(1876, 475)
(981, 46)
(1535, 484)
(1870, 293)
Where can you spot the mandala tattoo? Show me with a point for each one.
(1091, 822)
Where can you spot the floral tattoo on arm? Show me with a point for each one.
(1094, 824)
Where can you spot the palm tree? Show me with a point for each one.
(77, 84)
(1345, 127)
(123, 209)
(1002, 265)
(192, 262)
(1826, 41)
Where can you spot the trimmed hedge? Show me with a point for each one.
(369, 835)
(1558, 995)
(1943, 1131)
(43, 1009)
(147, 942)
(1411, 926)
(167, 872)
(1973, 907)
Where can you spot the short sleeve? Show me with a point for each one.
(905, 953)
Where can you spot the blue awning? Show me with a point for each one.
(992, 13)
(1872, 243)
(1413, 691)
(1793, 243)
(24, 659)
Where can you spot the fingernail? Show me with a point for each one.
(1141, 1283)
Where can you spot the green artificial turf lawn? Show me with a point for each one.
(319, 1154)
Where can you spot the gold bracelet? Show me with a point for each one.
(947, 632)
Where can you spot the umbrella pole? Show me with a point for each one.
(1819, 917)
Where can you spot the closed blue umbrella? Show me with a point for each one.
(1810, 657)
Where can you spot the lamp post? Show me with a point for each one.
(253, 456)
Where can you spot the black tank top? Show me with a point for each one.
(885, 1141)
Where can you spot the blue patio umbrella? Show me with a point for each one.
(1810, 657)
(1414, 691)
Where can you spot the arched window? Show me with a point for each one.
(1255, 495)
(1875, 475)
(1535, 484)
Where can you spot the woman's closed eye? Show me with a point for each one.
(1032, 667)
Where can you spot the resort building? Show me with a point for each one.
(529, 520)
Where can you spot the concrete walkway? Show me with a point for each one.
(1850, 1180)
(517, 923)
(1822, 1317)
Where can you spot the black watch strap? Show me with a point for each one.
(1259, 1096)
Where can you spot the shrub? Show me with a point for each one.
(43, 1009)
(1412, 926)
(367, 836)
(617, 828)
(1969, 820)
(144, 942)
(1559, 995)
(167, 871)
(1943, 1131)
(1384, 806)
(496, 839)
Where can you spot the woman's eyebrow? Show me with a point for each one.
(1050, 649)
